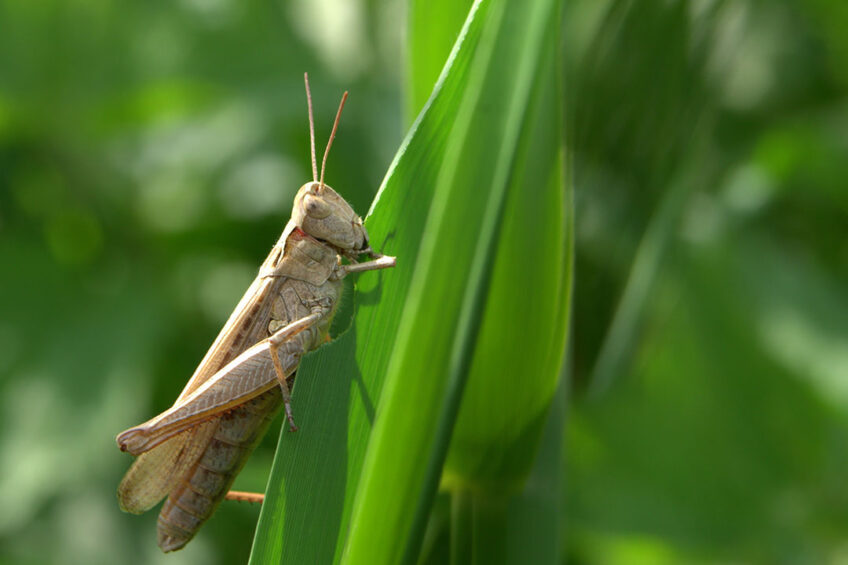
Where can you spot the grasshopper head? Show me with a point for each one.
(319, 210)
(322, 213)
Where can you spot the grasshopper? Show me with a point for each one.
(193, 451)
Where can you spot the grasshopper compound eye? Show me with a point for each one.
(316, 207)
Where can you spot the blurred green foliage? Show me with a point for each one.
(711, 325)
(149, 153)
(148, 156)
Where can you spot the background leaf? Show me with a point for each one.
(432, 29)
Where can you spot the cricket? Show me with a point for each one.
(192, 452)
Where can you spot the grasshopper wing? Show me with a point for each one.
(244, 378)
(154, 473)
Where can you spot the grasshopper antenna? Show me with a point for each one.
(330, 142)
(311, 128)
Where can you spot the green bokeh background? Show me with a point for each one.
(149, 153)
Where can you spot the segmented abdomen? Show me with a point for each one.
(197, 496)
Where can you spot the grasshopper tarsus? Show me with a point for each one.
(289, 415)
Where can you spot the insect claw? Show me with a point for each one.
(290, 418)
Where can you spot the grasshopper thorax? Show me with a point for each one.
(321, 213)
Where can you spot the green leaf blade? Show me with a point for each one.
(520, 348)
(427, 373)
(313, 479)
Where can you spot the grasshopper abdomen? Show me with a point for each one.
(197, 496)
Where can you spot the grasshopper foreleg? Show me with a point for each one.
(279, 338)
(382, 262)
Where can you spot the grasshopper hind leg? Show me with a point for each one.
(241, 496)
(284, 386)
(280, 337)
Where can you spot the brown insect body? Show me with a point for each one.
(193, 451)
(196, 497)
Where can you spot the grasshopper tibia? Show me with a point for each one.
(241, 496)
(274, 343)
